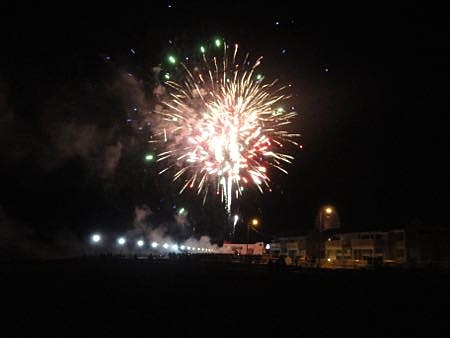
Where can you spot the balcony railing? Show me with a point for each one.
(334, 244)
(363, 243)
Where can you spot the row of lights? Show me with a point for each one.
(96, 238)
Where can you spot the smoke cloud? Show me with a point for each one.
(164, 233)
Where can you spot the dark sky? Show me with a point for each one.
(370, 85)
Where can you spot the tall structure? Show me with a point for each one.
(327, 218)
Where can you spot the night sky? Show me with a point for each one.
(370, 85)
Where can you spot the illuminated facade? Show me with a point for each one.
(373, 247)
(243, 248)
(294, 247)
(406, 247)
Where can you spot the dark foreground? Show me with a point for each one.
(130, 298)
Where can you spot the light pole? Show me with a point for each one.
(328, 211)
(121, 243)
(255, 223)
(96, 241)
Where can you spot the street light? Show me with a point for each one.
(96, 241)
(328, 211)
(255, 223)
(96, 238)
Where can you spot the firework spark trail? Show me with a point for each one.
(222, 128)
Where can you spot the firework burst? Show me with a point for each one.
(222, 126)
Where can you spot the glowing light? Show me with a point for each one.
(236, 218)
(175, 247)
(180, 211)
(329, 259)
(255, 222)
(220, 126)
(267, 246)
(140, 243)
(166, 246)
(167, 76)
(328, 211)
(182, 247)
(172, 59)
(218, 42)
(96, 238)
(121, 241)
(189, 248)
(154, 245)
(149, 157)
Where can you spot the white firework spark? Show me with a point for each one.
(222, 126)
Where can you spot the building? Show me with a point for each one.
(243, 248)
(294, 247)
(416, 246)
(428, 246)
(371, 246)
